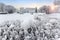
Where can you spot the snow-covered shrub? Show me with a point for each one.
(49, 26)
(41, 28)
(10, 29)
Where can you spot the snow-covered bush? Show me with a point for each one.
(41, 28)
(49, 26)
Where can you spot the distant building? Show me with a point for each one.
(28, 10)
(22, 10)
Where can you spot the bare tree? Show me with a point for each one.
(36, 9)
(45, 9)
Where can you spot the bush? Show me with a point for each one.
(42, 28)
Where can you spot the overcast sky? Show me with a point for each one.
(27, 3)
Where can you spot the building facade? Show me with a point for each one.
(27, 10)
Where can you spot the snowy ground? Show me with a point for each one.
(14, 16)
(24, 17)
(27, 18)
(54, 15)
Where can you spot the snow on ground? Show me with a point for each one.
(54, 15)
(25, 18)
(8, 17)
(58, 39)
